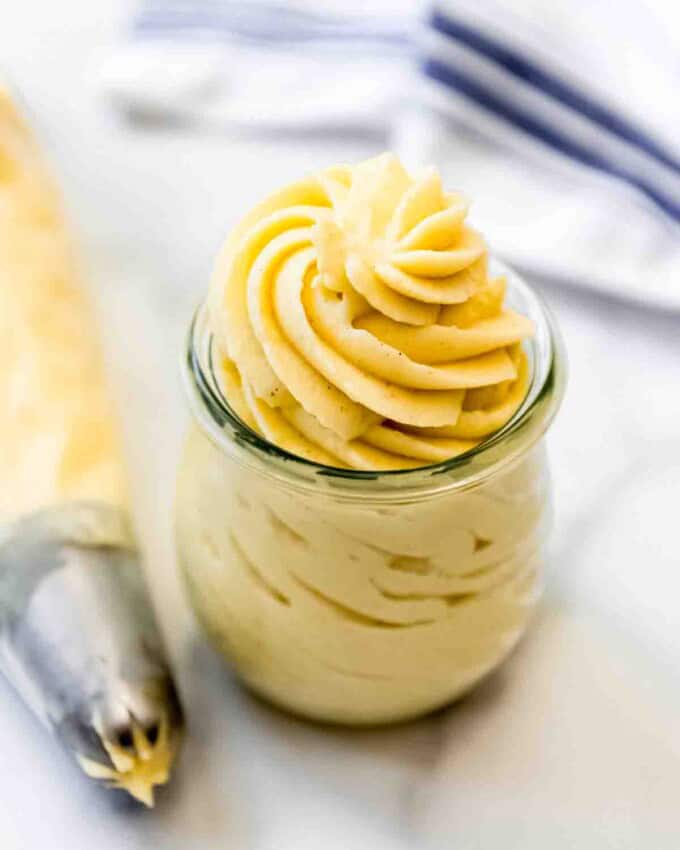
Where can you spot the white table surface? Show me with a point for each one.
(575, 743)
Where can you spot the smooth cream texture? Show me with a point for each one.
(358, 324)
(58, 435)
(359, 612)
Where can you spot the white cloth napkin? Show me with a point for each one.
(560, 120)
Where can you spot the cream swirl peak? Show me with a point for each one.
(358, 324)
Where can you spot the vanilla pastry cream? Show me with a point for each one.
(355, 324)
(358, 323)
(359, 612)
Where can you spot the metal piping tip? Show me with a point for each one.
(80, 642)
(139, 757)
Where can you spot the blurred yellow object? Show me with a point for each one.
(58, 430)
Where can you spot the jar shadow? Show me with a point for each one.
(411, 745)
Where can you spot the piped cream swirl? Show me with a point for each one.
(358, 324)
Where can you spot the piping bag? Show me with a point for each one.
(78, 638)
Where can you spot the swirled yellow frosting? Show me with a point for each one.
(358, 324)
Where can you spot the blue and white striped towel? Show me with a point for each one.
(560, 119)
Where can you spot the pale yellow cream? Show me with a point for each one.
(138, 772)
(359, 326)
(359, 611)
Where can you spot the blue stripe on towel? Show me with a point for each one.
(528, 71)
(262, 22)
(456, 79)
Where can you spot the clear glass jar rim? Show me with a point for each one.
(232, 436)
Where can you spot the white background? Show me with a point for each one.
(576, 743)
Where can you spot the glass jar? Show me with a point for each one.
(365, 597)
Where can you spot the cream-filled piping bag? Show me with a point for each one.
(78, 638)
